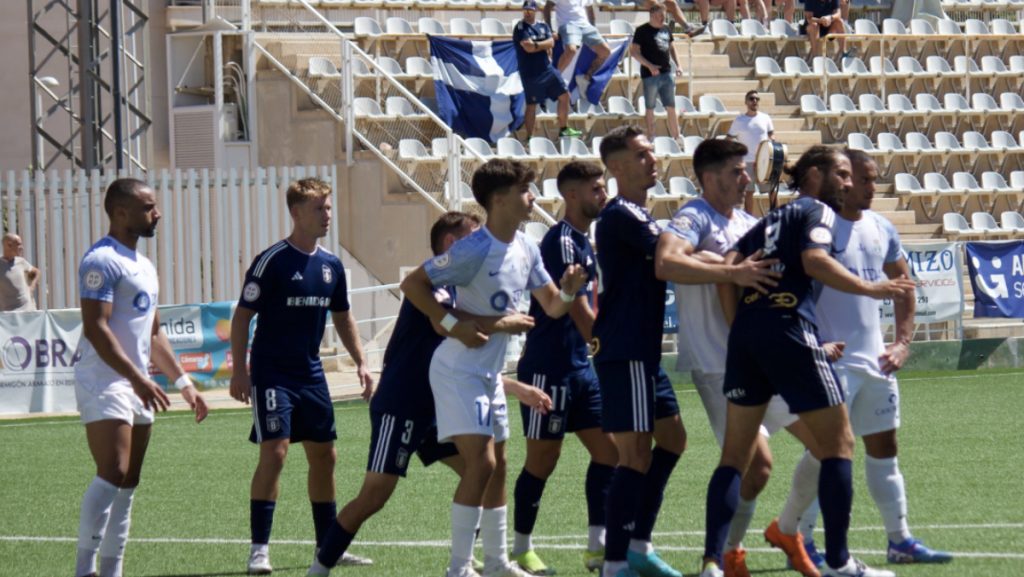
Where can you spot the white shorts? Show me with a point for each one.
(117, 401)
(873, 401)
(709, 387)
(468, 403)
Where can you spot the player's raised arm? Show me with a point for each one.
(673, 262)
(557, 302)
(418, 288)
(165, 360)
(345, 324)
(823, 268)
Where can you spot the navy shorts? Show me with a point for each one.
(547, 86)
(394, 438)
(634, 394)
(299, 414)
(575, 404)
(779, 354)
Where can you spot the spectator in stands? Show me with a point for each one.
(729, 7)
(575, 28)
(823, 17)
(788, 8)
(533, 41)
(17, 277)
(751, 128)
(672, 7)
(652, 48)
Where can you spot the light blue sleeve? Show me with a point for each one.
(689, 224)
(538, 274)
(459, 265)
(894, 250)
(98, 275)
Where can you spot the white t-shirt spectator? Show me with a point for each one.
(572, 11)
(751, 131)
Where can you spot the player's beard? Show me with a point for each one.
(147, 231)
(833, 196)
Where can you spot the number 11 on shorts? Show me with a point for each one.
(483, 412)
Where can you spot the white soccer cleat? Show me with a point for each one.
(351, 560)
(259, 563)
(464, 571)
(711, 569)
(318, 570)
(507, 570)
(855, 568)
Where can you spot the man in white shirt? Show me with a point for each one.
(18, 277)
(576, 28)
(752, 128)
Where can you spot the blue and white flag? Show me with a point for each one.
(996, 270)
(584, 58)
(479, 93)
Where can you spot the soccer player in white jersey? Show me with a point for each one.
(708, 227)
(868, 245)
(491, 270)
(116, 397)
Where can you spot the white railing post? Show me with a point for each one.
(347, 98)
(454, 192)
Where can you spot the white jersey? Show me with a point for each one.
(113, 273)
(703, 332)
(572, 11)
(751, 131)
(491, 277)
(863, 247)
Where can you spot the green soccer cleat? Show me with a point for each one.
(593, 560)
(531, 563)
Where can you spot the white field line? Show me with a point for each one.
(577, 541)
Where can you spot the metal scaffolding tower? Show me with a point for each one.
(88, 84)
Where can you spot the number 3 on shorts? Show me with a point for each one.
(271, 400)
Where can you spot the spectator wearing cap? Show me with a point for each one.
(533, 42)
(652, 48)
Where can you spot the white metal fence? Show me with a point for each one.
(213, 223)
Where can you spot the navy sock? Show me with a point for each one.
(662, 463)
(528, 492)
(723, 496)
(323, 517)
(261, 520)
(623, 498)
(599, 478)
(835, 495)
(334, 544)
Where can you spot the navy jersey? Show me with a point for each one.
(404, 387)
(630, 300)
(291, 292)
(532, 64)
(555, 346)
(784, 234)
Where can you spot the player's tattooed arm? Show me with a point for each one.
(529, 395)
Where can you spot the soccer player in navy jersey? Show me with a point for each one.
(638, 404)
(774, 349)
(290, 288)
(492, 269)
(556, 359)
(402, 407)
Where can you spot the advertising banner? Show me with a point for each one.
(938, 269)
(38, 353)
(997, 277)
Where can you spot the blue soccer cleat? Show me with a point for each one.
(650, 565)
(813, 554)
(914, 551)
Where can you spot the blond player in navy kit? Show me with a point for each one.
(116, 397)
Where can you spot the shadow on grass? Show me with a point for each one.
(224, 574)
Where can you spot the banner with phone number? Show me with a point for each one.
(938, 269)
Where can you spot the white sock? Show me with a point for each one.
(613, 567)
(521, 544)
(740, 523)
(92, 523)
(493, 535)
(317, 568)
(595, 537)
(114, 540)
(260, 547)
(639, 546)
(801, 494)
(464, 522)
(809, 520)
(885, 482)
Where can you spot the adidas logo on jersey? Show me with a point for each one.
(297, 276)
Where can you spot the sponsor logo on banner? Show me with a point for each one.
(996, 271)
(937, 268)
(196, 362)
(183, 326)
(24, 355)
